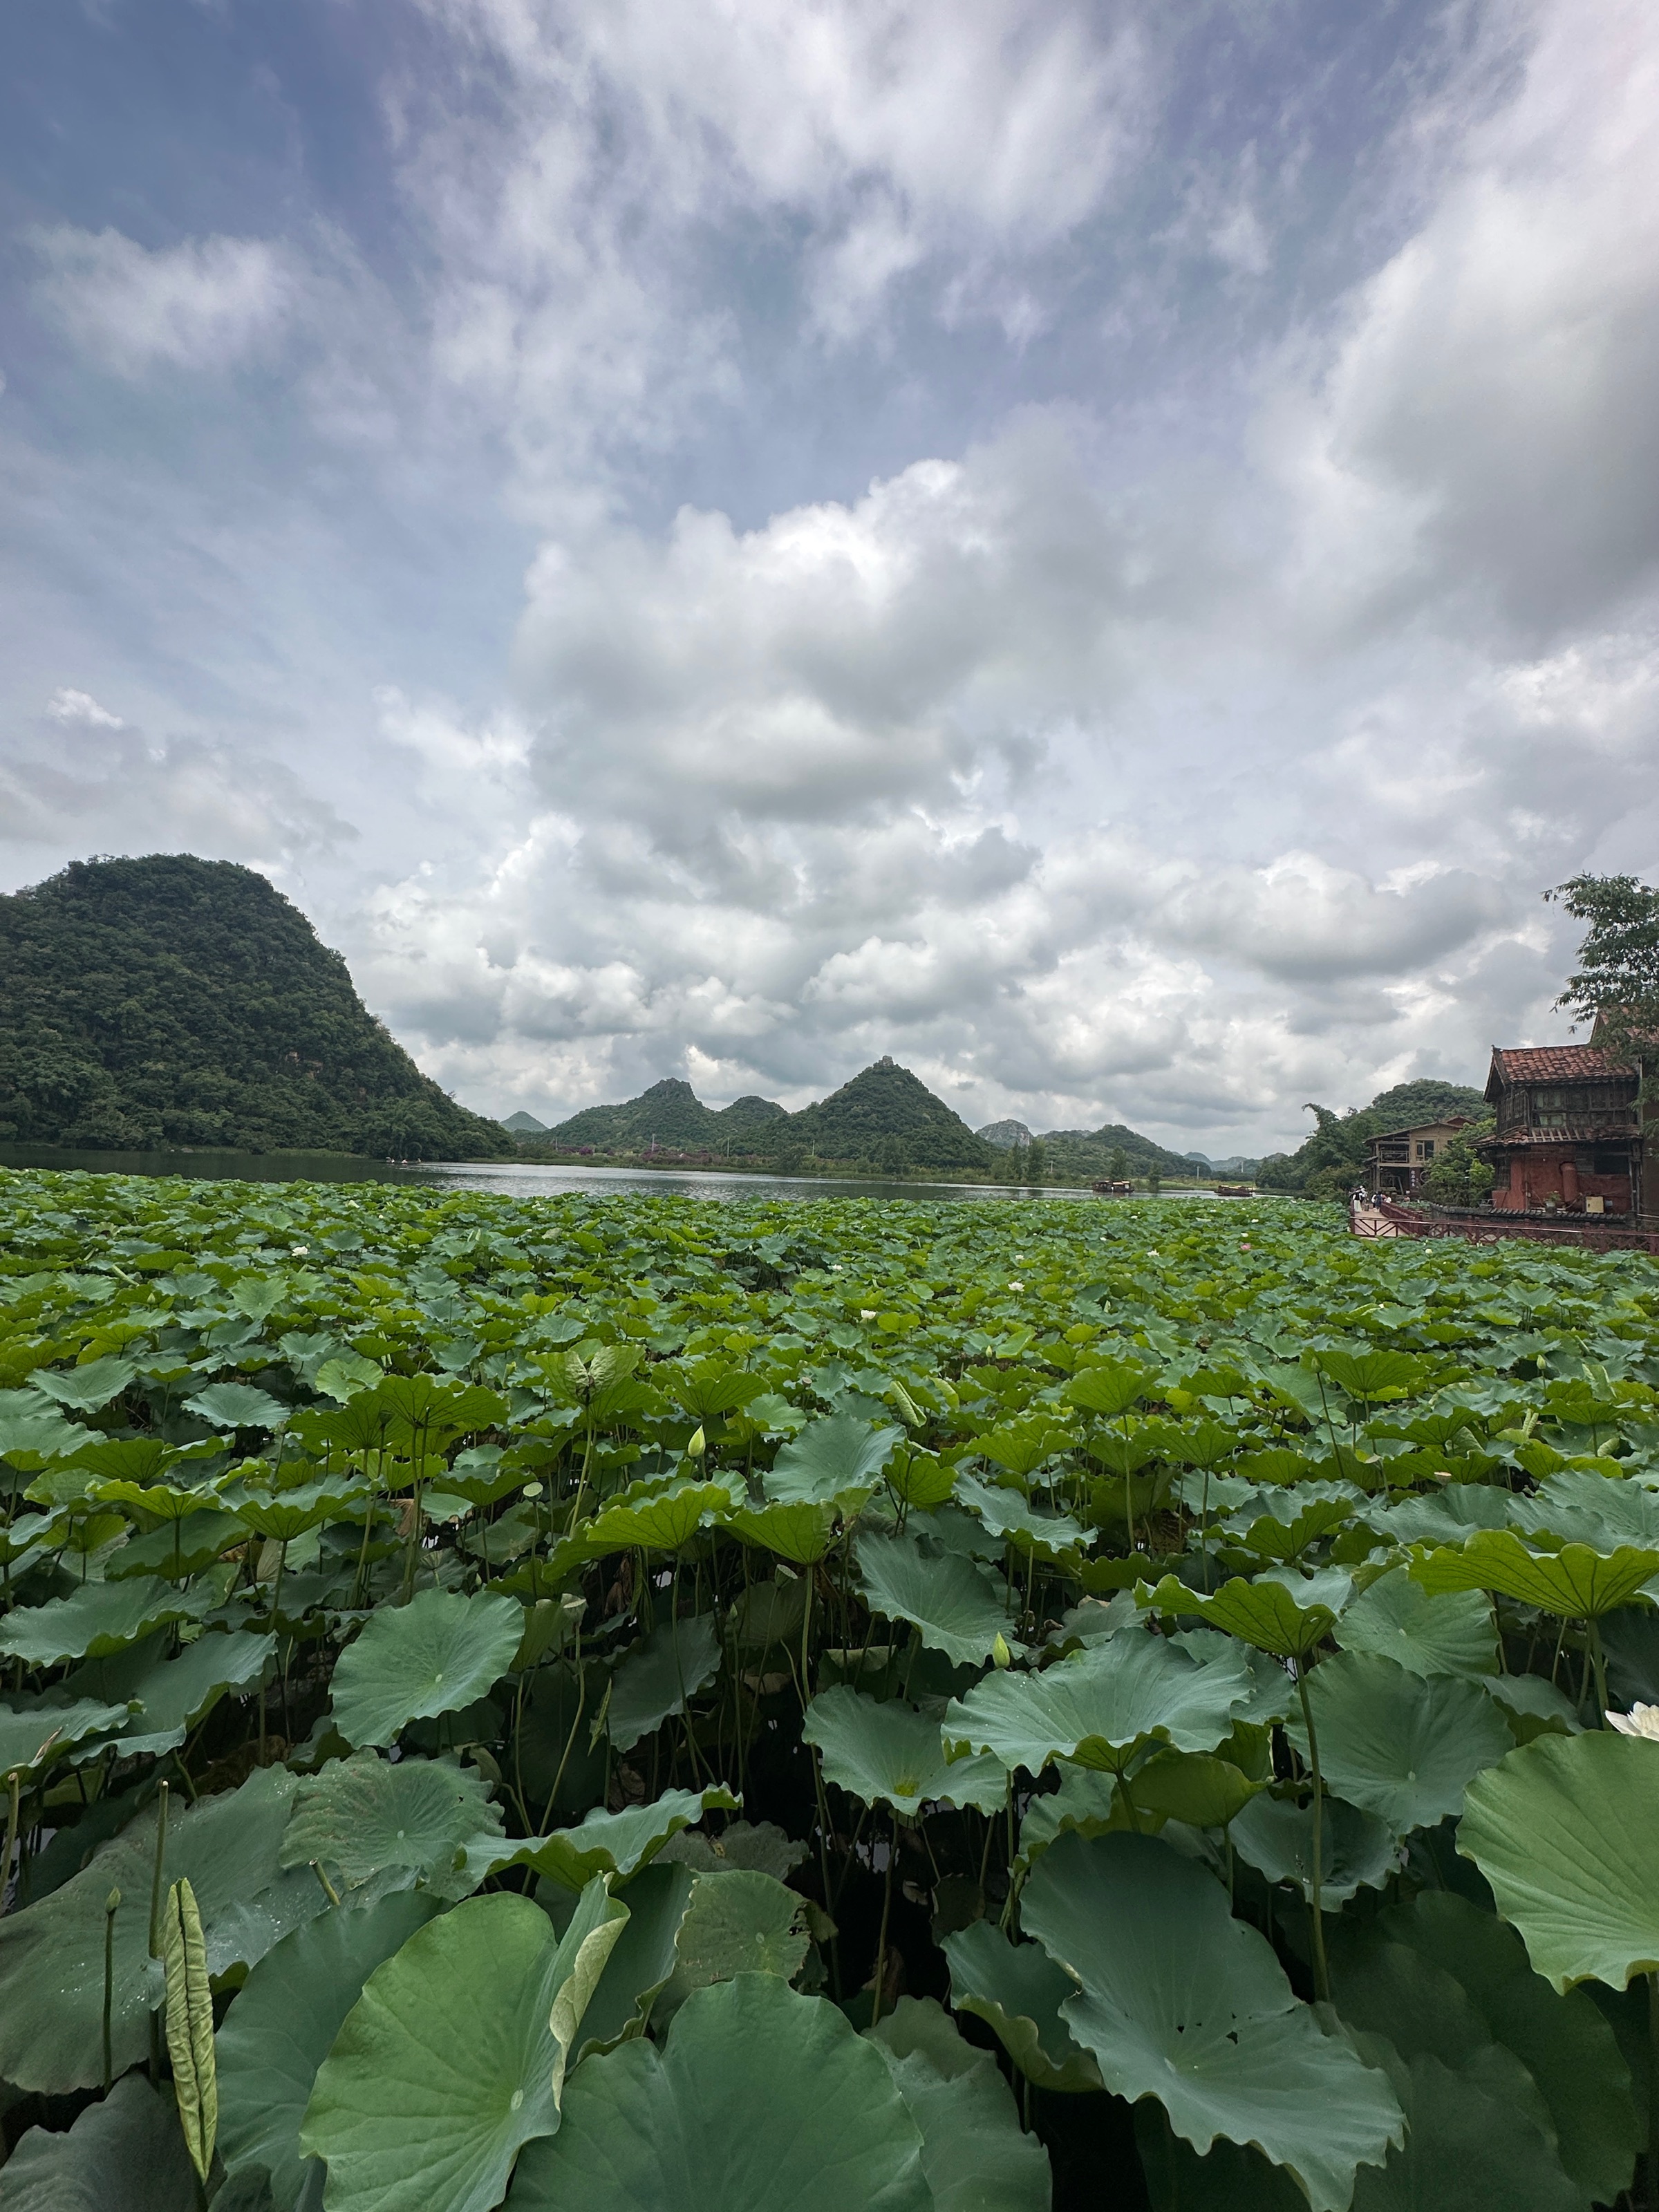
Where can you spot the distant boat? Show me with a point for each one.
(1235, 1190)
(1113, 1189)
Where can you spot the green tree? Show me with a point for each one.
(1460, 1177)
(893, 1156)
(1118, 1166)
(1034, 1161)
(1617, 983)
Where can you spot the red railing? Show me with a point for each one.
(1386, 1217)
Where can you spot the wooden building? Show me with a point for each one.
(1399, 1160)
(1569, 1135)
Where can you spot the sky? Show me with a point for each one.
(1108, 552)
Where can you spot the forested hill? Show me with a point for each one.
(171, 1001)
(884, 1116)
(1332, 1158)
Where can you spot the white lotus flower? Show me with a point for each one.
(866, 1313)
(1640, 1720)
(1016, 1287)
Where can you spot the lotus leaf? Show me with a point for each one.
(953, 1605)
(1193, 1786)
(662, 1520)
(1357, 1850)
(829, 1459)
(1006, 1513)
(762, 1846)
(96, 1619)
(236, 1405)
(1563, 2040)
(642, 1958)
(681, 2130)
(1280, 1611)
(1396, 1618)
(801, 1534)
(52, 1954)
(33, 1736)
(1566, 1830)
(1402, 1745)
(1101, 1707)
(737, 1922)
(281, 2027)
(974, 2152)
(889, 1753)
(373, 1824)
(605, 1842)
(1575, 1583)
(676, 1660)
(174, 1694)
(179, 1548)
(435, 1654)
(451, 2060)
(1017, 1990)
(1107, 1387)
(126, 2155)
(1179, 2001)
(85, 1387)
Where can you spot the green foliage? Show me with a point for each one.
(1618, 985)
(601, 1656)
(1329, 1163)
(235, 1028)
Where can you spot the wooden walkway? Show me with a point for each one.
(1386, 1217)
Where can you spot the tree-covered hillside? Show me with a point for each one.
(1332, 1158)
(885, 1117)
(171, 1001)
(888, 1116)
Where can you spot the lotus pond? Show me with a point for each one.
(625, 1704)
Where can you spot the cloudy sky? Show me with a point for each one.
(1107, 551)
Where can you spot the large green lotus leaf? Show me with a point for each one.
(1563, 2039)
(1404, 1747)
(1091, 1803)
(371, 1823)
(829, 1458)
(889, 1753)
(617, 1843)
(642, 1958)
(737, 1923)
(1452, 1633)
(448, 2062)
(186, 1546)
(1101, 1706)
(1575, 1583)
(659, 1520)
(96, 1619)
(126, 2155)
(1108, 1387)
(282, 1515)
(34, 1735)
(237, 1405)
(1281, 1611)
(1468, 2141)
(1293, 1518)
(759, 2101)
(86, 1388)
(1006, 1513)
(1017, 1990)
(1193, 1786)
(1371, 1374)
(1578, 1507)
(283, 2025)
(174, 1694)
(1566, 1830)
(1179, 2001)
(760, 1845)
(954, 1605)
(801, 1534)
(52, 1954)
(1228, 2178)
(1356, 1851)
(1533, 1705)
(675, 1660)
(435, 1654)
(1272, 1686)
(31, 1433)
(974, 2152)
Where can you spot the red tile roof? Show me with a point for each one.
(1554, 1063)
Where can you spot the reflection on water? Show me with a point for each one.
(522, 1178)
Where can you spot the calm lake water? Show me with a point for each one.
(522, 1178)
